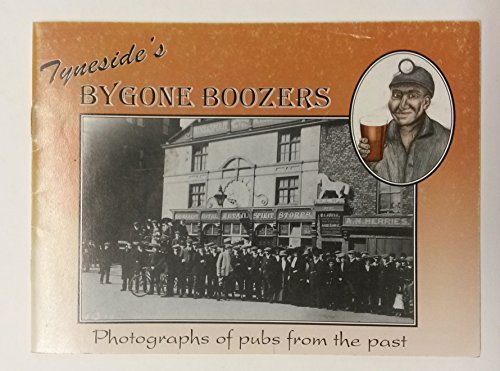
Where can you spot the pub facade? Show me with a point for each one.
(281, 182)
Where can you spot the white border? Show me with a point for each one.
(15, 145)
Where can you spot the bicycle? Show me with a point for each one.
(141, 283)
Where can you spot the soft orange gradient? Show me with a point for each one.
(258, 55)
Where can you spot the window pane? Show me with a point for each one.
(233, 164)
(261, 231)
(199, 157)
(385, 200)
(288, 190)
(384, 188)
(236, 228)
(282, 197)
(389, 198)
(289, 146)
(226, 228)
(283, 229)
(295, 229)
(396, 202)
(284, 152)
(196, 195)
(211, 230)
(306, 229)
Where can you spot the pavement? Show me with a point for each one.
(106, 303)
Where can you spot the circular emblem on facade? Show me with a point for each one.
(238, 194)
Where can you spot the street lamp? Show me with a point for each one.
(220, 198)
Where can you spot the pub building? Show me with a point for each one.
(282, 182)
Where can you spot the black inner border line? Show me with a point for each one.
(227, 322)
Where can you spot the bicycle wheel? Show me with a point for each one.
(140, 284)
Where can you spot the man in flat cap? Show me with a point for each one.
(224, 270)
(254, 282)
(128, 265)
(271, 270)
(105, 261)
(237, 261)
(199, 271)
(185, 276)
(317, 279)
(414, 143)
(211, 259)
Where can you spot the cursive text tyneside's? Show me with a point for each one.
(134, 55)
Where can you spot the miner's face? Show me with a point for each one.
(408, 103)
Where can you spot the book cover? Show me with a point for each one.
(256, 188)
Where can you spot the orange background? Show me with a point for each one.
(258, 55)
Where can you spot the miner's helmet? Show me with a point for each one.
(409, 73)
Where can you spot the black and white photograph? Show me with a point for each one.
(239, 219)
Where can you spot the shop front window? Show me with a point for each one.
(284, 229)
(226, 228)
(264, 230)
(295, 233)
(234, 230)
(211, 230)
(193, 228)
(306, 229)
(210, 234)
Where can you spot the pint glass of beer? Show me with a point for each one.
(374, 128)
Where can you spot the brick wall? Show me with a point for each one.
(338, 160)
(407, 202)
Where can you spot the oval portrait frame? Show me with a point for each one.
(441, 85)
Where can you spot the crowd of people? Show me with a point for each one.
(352, 281)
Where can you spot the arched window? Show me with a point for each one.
(211, 230)
(237, 167)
